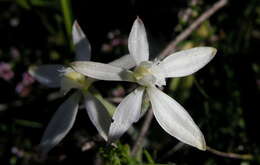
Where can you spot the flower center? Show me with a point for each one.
(72, 79)
(143, 74)
(75, 76)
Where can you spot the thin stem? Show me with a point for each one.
(213, 151)
(230, 154)
(144, 129)
(182, 36)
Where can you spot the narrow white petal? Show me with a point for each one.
(173, 118)
(61, 123)
(82, 45)
(127, 112)
(102, 71)
(98, 115)
(126, 62)
(186, 62)
(48, 75)
(137, 42)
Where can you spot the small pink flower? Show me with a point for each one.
(116, 42)
(106, 48)
(15, 54)
(23, 90)
(6, 71)
(27, 79)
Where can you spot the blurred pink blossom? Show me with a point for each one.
(27, 79)
(6, 71)
(18, 152)
(15, 54)
(116, 42)
(23, 88)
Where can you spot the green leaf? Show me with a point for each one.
(109, 106)
(27, 123)
(67, 14)
(149, 157)
(23, 4)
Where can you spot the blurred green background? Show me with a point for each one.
(222, 98)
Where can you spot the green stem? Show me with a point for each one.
(67, 14)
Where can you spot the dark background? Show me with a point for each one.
(222, 98)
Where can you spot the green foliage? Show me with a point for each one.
(121, 155)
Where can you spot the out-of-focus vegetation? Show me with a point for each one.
(222, 98)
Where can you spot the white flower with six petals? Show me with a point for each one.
(66, 78)
(171, 116)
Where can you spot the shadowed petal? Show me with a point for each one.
(48, 75)
(61, 123)
(102, 71)
(126, 62)
(82, 45)
(173, 118)
(186, 62)
(98, 115)
(137, 42)
(127, 112)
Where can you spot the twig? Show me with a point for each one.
(182, 36)
(213, 151)
(144, 129)
(172, 151)
(166, 52)
(185, 15)
(229, 154)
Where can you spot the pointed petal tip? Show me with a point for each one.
(201, 144)
(214, 51)
(75, 23)
(139, 19)
(76, 26)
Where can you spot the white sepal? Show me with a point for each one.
(61, 123)
(98, 115)
(48, 75)
(186, 62)
(137, 42)
(81, 43)
(102, 71)
(174, 119)
(127, 112)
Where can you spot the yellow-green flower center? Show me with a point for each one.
(72, 79)
(143, 74)
(140, 72)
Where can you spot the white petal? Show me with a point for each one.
(98, 115)
(61, 123)
(102, 71)
(173, 118)
(127, 112)
(48, 75)
(186, 62)
(82, 45)
(126, 62)
(137, 42)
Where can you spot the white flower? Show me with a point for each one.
(66, 78)
(171, 116)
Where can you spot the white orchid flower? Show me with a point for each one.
(66, 78)
(171, 116)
